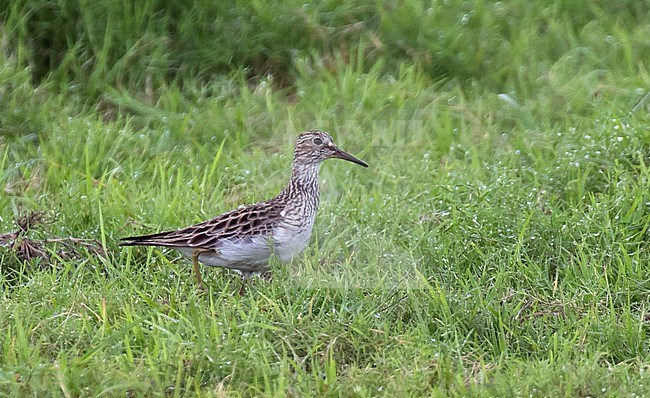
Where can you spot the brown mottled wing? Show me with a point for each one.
(247, 221)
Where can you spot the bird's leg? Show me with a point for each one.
(244, 276)
(197, 268)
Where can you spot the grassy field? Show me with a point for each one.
(496, 246)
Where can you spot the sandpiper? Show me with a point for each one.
(244, 239)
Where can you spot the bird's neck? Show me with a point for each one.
(304, 179)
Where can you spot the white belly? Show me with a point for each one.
(253, 253)
(245, 254)
(290, 240)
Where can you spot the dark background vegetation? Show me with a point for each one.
(151, 44)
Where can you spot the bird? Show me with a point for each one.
(244, 239)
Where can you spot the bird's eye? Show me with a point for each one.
(318, 141)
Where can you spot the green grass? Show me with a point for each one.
(497, 245)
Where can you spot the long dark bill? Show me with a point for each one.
(346, 156)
